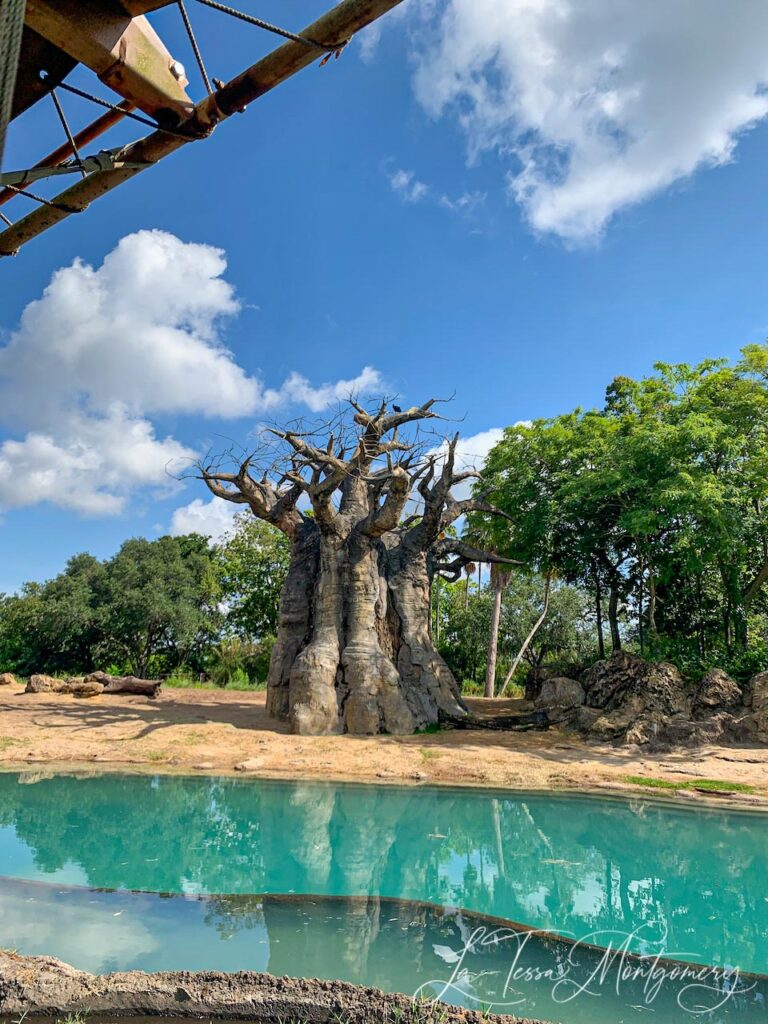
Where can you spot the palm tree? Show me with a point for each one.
(499, 583)
(469, 569)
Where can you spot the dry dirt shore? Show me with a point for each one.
(213, 731)
(35, 987)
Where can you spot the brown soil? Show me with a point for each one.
(213, 731)
(37, 987)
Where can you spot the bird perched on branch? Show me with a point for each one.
(396, 408)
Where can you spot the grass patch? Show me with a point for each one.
(6, 742)
(713, 785)
(428, 754)
(430, 730)
(190, 683)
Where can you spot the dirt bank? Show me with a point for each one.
(38, 986)
(213, 731)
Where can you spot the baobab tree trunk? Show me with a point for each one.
(353, 651)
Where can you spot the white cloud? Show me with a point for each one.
(471, 453)
(298, 389)
(105, 349)
(597, 104)
(406, 185)
(210, 518)
(467, 202)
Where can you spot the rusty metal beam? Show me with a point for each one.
(92, 131)
(332, 29)
(136, 7)
(126, 53)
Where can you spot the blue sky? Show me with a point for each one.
(519, 244)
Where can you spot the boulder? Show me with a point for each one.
(758, 702)
(608, 683)
(560, 692)
(8, 679)
(45, 684)
(251, 765)
(634, 701)
(716, 692)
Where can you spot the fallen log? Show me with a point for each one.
(93, 685)
(125, 684)
(501, 723)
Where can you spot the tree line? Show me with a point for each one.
(654, 505)
(175, 605)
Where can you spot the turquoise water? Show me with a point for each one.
(358, 865)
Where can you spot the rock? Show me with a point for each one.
(584, 718)
(716, 692)
(203, 766)
(607, 683)
(251, 765)
(758, 702)
(634, 701)
(663, 690)
(8, 679)
(560, 692)
(45, 684)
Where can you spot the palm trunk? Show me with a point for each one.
(493, 644)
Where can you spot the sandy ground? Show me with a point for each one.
(213, 731)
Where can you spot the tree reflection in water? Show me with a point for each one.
(560, 863)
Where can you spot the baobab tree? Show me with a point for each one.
(353, 651)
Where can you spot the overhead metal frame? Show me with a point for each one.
(329, 33)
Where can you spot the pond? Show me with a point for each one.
(409, 889)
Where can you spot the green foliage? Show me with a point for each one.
(151, 608)
(567, 633)
(656, 505)
(159, 603)
(234, 661)
(252, 565)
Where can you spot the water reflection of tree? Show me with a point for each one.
(558, 863)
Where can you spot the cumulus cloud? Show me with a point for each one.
(406, 185)
(596, 104)
(107, 348)
(471, 453)
(212, 518)
(299, 390)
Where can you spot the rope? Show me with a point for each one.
(45, 202)
(7, 220)
(335, 48)
(11, 28)
(195, 47)
(121, 110)
(70, 136)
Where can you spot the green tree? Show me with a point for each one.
(161, 602)
(252, 564)
(656, 502)
(55, 626)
